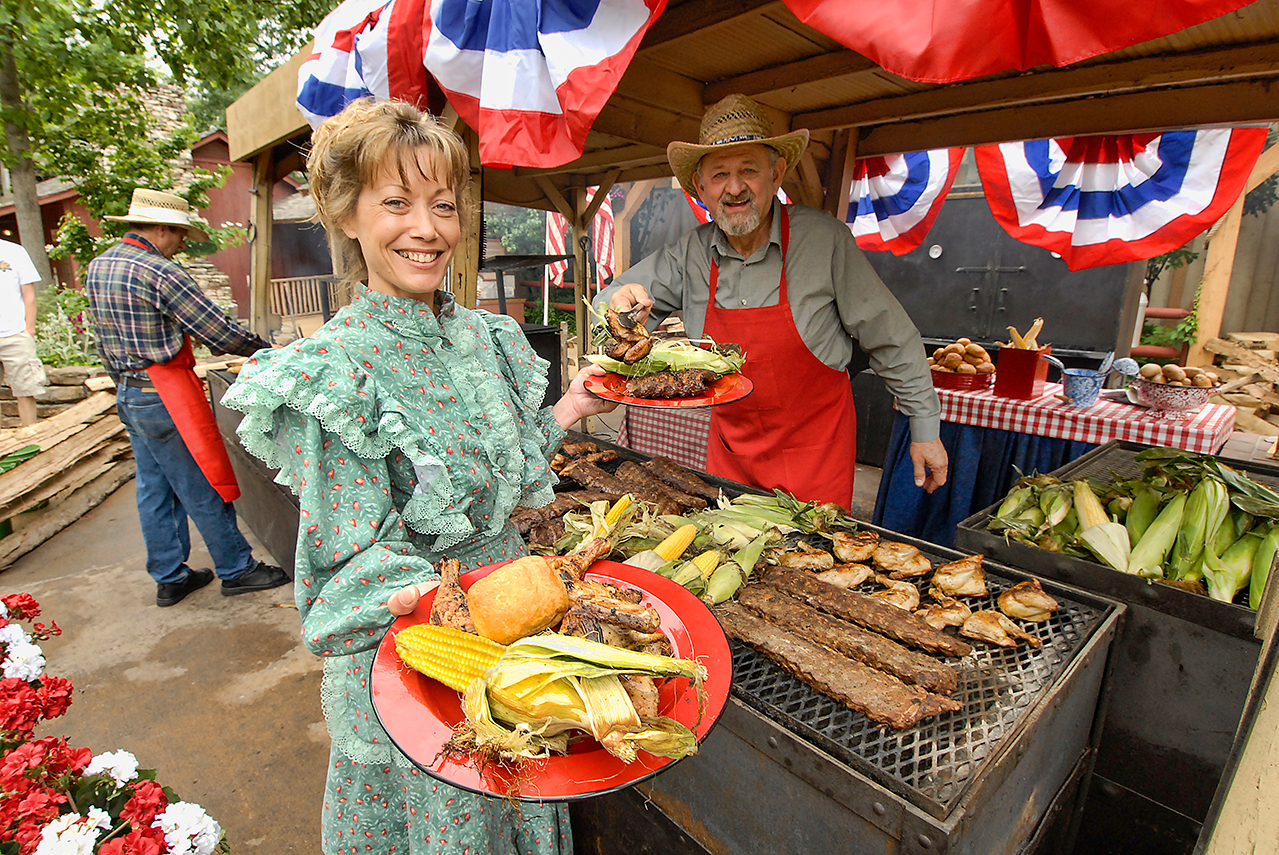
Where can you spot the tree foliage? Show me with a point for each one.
(73, 75)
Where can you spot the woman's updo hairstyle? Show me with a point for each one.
(350, 150)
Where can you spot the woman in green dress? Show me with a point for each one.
(409, 427)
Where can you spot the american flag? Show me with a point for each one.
(602, 229)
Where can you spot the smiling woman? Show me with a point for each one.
(410, 427)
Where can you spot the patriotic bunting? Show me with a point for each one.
(530, 76)
(940, 41)
(1113, 199)
(894, 200)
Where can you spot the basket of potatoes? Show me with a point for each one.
(963, 364)
(1172, 391)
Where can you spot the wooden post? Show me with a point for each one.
(622, 222)
(465, 270)
(839, 184)
(260, 245)
(1221, 259)
(581, 267)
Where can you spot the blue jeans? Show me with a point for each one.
(170, 487)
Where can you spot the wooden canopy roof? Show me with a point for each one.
(1220, 72)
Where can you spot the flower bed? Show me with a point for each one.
(59, 800)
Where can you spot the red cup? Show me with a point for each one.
(1021, 373)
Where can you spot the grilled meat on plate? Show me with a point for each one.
(449, 608)
(681, 383)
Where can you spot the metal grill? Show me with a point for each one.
(933, 764)
(1119, 460)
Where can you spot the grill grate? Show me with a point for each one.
(934, 763)
(1120, 461)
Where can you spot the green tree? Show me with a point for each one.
(73, 74)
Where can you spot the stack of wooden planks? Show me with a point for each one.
(1246, 363)
(70, 462)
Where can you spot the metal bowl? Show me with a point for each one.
(1170, 401)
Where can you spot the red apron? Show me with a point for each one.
(797, 430)
(185, 398)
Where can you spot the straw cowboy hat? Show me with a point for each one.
(156, 208)
(735, 120)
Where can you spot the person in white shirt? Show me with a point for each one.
(20, 368)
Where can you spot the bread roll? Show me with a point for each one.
(517, 599)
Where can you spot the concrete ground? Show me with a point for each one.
(216, 693)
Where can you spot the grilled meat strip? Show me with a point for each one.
(578, 449)
(546, 534)
(681, 478)
(858, 686)
(559, 461)
(594, 478)
(866, 611)
(878, 652)
(631, 471)
(527, 519)
(681, 383)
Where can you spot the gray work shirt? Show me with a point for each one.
(835, 297)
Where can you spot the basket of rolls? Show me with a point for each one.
(963, 364)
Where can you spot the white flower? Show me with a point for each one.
(4, 611)
(73, 834)
(188, 830)
(120, 765)
(22, 658)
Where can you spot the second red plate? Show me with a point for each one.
(725, 390)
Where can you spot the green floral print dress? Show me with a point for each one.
(405, 436)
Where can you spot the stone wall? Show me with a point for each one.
(168, 104)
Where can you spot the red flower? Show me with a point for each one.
(147, 803)
(140, 841)
(40, 632)
(20, 706)
(21, 606)
(54, 696)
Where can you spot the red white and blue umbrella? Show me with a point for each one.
(894, 200)
(530, 76)
(1112, 199)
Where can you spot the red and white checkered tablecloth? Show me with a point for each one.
(1204, 432)
(679, 434)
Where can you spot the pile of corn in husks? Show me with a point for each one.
(1189, 520)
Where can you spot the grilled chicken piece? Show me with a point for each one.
(449, 607)
(806, 557)
(1027, 601)
(576, 563)
(594, 599)
(849, 547)
(902, 594)
(579, 624)
(900, 560)
(990, 625)
(642, 691)
(961, 578)
(846, 575)
(947, 611)
(629, 344)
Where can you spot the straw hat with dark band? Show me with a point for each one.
(156, 208)
(735, 120)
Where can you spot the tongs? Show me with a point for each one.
(631, 316)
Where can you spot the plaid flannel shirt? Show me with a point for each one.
(144, 304)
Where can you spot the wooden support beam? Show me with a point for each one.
(694, 16)
(810, 182)
(465, 269)
(260, 223)
(581, 266)
(840, 180)
(622, 222)
(820, 67)
(1222, 243)
(601, 193)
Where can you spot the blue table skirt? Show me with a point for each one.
(984, 463)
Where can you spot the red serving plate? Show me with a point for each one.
(961, 382)
(420, 714)
(725, 390)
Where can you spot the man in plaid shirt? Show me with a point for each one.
(145, 307)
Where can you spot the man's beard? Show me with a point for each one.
(738, 224)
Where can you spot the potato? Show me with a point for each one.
(1212, 375)
(952, 360)
(974, 359)
(943, 368)
(955, 347)
(1192, 370)
(1201, 380)
(975, 349)
(1150, 370)
(964, 341)
(1174, 372)
(965, 368)
(986, 368)
(938, 353)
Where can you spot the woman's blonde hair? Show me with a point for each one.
(351, 149)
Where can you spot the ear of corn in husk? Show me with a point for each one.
(1228, 575)
(1151, 552)
(1207, 507)
(1261, 565)
(1141, 513)
(668, 550)
(1109, 542)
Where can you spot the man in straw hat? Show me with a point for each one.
(147, 308)
(789, 284)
